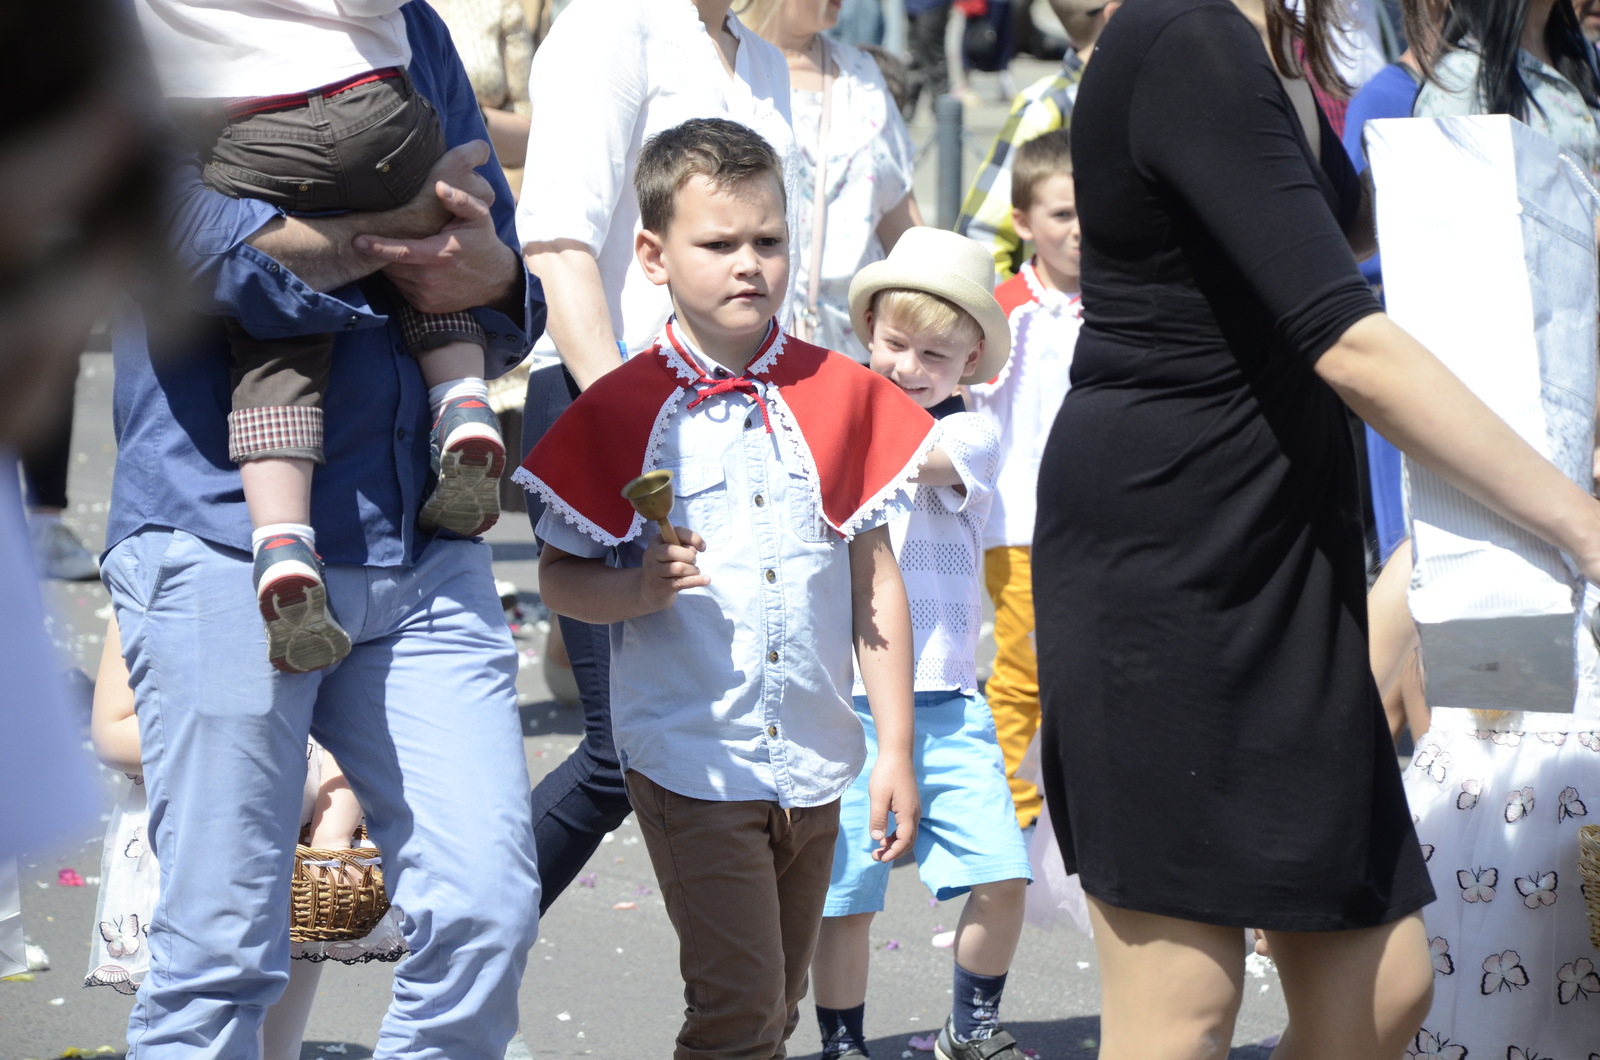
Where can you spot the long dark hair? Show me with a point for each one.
(1493, 28)
(1314, 31)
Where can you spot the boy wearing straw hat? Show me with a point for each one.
(933, 324)
(731, 653)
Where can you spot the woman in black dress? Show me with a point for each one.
(1216, 755)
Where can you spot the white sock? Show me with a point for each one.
(467, 386)
(262, 534)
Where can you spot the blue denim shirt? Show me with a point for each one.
(171, 403)
(740, 690)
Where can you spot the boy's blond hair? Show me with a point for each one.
(724, 152)
(1039, 159)
(920, 311)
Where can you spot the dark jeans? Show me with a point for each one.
(46, 460)
(929, 70)
(583, 798)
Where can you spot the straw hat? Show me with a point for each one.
(953, 267)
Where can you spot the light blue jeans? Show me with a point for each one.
(422, 716)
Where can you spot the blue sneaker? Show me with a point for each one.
(302, 634)
(468, 459)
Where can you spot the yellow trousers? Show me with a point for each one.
(1013, 688)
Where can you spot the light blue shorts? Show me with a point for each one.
(968, 833)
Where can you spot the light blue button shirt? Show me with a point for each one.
(742, 689)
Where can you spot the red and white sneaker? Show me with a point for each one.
(302, 634)
(468, 460)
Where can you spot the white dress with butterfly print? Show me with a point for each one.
(130, 880)
(1498, 803)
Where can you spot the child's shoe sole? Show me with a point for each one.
(302, 634)
(466, 499)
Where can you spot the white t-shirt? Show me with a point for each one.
(940, 550)
(269, 47)
(1022, 401)
(610, 75)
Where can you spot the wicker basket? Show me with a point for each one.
(1589, 868)
(335, 895)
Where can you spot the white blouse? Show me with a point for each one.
(939, 547)
(869, 171)
(610, 75)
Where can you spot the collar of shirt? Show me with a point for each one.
(1056, 303)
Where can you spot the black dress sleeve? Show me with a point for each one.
(1212, 129)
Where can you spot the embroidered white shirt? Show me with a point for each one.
(869, 170)
(1023, 401)
(610, 75)
(742, 689)
(209, 50)
(939, 546)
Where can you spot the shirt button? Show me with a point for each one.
(720, 373)
(772, 730)
(760, 500)
(350, 325)
(772, 576)
(305, 187)
(772, 656)
(400, 434)
(384, 168)
(273, 267)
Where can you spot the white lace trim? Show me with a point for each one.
(579, 522)
(675, 360)
(765, 362)
(899, 485)
(781, 413)
(582, 523)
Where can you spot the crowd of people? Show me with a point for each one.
(1118, 402)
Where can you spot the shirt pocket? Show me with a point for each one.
(805, 510)
(700, 499)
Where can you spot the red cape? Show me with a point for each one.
(866, 439)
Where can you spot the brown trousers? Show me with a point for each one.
(744, 884)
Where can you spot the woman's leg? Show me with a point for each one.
(284, 1027)
(1169, 988)
(1353, 995)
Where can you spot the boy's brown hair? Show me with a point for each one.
(1037, 161)
(724, 152)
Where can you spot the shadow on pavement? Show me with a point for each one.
(549, 718)
(1077, 1038)
(339, 1051)
(513, 551)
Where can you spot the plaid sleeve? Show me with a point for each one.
(986, 213)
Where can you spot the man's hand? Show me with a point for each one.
(463, 264)
(892, 788)
(670, 569)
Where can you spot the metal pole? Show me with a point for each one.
(894, 26)
(947, 111)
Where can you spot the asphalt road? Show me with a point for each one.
(601, 981)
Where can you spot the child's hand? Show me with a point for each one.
(892, 788)
(670, 569)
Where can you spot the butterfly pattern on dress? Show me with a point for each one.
(1556, 738)
(1470, 790)
(1576, 980)
(1570, 805)
(1433, 762)
(1519, 804)
(1477, 885)
(113, 975)
(121, 935)
(1429, 1046)
(1439, 950)
(1591, 740)
(1517, 1053)
(1537, 890)
(1503, 971)
(1503, 739)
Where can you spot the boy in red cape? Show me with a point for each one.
(731, 653)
